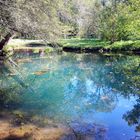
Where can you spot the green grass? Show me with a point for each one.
(125, 45)
(82, 43)
(98, 44)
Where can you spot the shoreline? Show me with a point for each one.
(73, 45)
(99, 50)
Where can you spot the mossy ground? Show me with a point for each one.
(37, 46)
(82, 43)
(96, 44)
(129, 45)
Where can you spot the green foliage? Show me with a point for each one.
(36, 19)
(120, 21)
(110, 21)
(133, 25)
(36, 51)
(98, 44)
(83, 43)
(48, 50)
(125, 45)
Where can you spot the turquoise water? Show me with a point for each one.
(70, 87)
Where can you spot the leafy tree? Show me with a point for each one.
(113, 20)
(119, 20)
(36, 18)
(133, 16)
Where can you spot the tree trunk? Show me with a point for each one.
(5, 40)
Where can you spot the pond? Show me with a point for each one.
(83, 88)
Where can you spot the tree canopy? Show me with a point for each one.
(36, 19)
(111, 20)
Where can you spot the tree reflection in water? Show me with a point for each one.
(81, 82)
(133, 116)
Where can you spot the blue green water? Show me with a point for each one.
(78, 87)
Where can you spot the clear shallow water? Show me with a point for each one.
(79, 87)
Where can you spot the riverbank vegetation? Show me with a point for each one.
(98, 45)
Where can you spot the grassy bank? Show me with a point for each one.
(34, 46)
(77, 44)
(125, 45)
(82, 43)
(74, 45)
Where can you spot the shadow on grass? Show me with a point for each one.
(35, 45)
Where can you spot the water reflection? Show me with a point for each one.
(133, 116)
(71, 87)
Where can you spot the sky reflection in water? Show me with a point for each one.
(84, 87)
